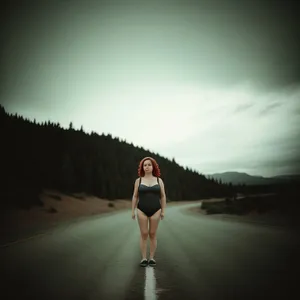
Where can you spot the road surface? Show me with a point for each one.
(197, 258)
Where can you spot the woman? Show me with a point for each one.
(149, 193)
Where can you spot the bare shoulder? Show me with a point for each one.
(160, 181)
(162, 187)
(136, 187)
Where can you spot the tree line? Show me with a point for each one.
(37, 156)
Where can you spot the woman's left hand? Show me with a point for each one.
(162, 215)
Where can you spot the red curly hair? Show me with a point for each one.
(155, 171)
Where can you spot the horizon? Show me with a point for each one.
(214, 85)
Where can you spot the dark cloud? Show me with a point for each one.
(285, 165)
(266, 32)
(269, 108)
(243, 107)
(284, 155)
(283, 158)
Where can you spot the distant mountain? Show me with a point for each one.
(244, 178)
(289, 177)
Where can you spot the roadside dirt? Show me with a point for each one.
(57, 208)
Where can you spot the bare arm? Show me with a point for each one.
(135, 195)
(163, 197)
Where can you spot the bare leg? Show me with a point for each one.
(154, 221)
(143, 223)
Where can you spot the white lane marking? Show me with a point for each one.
(150, 284)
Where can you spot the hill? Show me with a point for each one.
(237, 178)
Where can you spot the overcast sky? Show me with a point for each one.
(214, 84)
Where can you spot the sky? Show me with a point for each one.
(213, 84)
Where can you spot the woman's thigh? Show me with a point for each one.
(143, 222)
(154, 221)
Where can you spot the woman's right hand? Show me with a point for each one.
(133, 216)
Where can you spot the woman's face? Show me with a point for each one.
(148, 168)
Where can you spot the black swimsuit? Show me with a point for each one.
(149, 199)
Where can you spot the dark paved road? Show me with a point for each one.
(198, 258)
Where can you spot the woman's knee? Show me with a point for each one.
(144, 235)
(152, 235)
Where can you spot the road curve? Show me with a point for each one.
(197, 258)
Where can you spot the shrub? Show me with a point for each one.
(215, 208)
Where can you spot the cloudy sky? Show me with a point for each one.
(214, 84)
